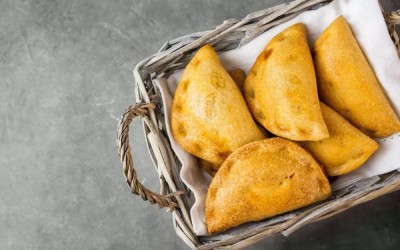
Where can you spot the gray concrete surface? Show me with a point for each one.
(65, 78)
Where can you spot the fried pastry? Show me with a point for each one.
(263, 179)
(238, 77)
(346, 149)
(210, 168)
(281, 88)
(209, 117)
(347, 83)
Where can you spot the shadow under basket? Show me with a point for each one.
(174, 195)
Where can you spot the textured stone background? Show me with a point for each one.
(65, 78)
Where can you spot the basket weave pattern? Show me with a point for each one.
(173, 195)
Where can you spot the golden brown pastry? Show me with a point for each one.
(248, 94)
(346, 149)
(210, 168)
(281, 88)
(209, 117)
(238, 77)
(263, 179)
(347, 83)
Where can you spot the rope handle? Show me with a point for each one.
(124, 149)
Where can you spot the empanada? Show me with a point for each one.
(263, 179)
(347, 83)
(281, 88)
(346, 149)
(209, 117)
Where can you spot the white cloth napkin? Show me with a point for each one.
(368, 26)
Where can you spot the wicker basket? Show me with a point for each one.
(173, 56)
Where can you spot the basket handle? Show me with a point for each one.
(124, 149)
